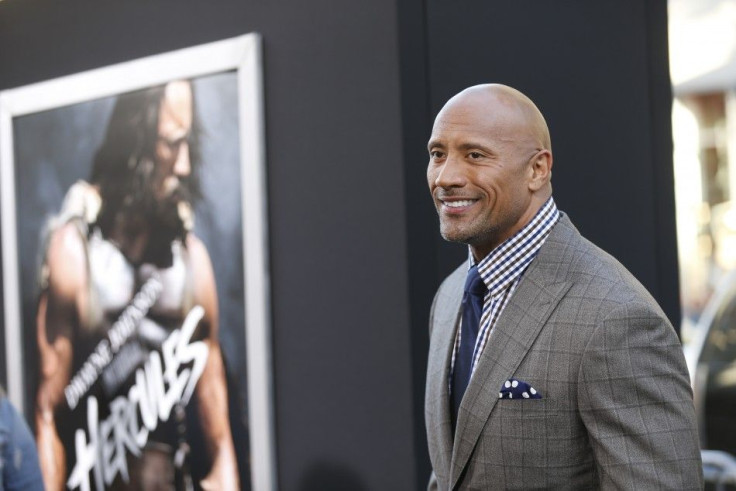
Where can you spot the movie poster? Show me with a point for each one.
(134, 267)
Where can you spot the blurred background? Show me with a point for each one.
(703, 70)
(702, 39)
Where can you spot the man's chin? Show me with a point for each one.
(454, 235)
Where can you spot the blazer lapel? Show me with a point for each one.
(445, 317)
(540, 290)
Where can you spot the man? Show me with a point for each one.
(552, 368)
(127, 323)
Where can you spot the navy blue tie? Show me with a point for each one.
(475, 290)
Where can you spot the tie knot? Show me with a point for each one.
(474, 284)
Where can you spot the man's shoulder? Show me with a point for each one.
(197, 249)
(449, 293)
(454, 280)
(67, 243)
(592, 272)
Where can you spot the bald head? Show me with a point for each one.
(507, 103)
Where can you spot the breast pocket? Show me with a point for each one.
(525, 420)
(541, 440)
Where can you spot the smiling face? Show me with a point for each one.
(489, 166)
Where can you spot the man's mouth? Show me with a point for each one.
(458, 203)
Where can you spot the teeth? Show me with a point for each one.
(458, 204)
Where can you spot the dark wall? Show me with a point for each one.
(343, 406)
(351, 89)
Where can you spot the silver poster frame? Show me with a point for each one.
(241, 54)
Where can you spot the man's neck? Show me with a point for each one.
(480, 253)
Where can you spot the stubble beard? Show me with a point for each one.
(464, 233)
(476, 234)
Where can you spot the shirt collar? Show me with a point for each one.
(504, 264)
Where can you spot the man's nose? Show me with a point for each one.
(451, 173)
(183, 165)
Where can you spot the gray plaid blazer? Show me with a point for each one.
(616, 410)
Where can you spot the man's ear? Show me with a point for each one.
(541, 168)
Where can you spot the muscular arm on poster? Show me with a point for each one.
(212, 389)
(58, 315)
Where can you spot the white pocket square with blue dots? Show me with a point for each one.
(518, 389)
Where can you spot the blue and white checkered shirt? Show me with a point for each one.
(502, 270)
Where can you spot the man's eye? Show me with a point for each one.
(475, 155)
(435, 154)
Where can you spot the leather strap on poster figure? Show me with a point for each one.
(163, 383)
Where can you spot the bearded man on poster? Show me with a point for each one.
(128, 318)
